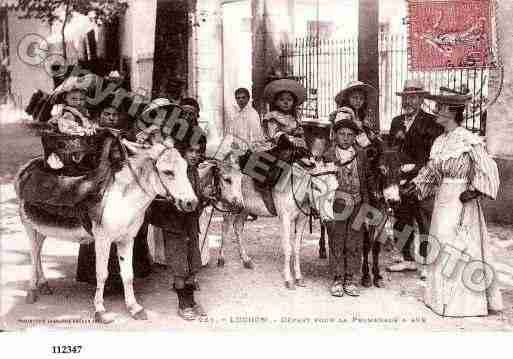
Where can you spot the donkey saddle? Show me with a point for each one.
(67, 196)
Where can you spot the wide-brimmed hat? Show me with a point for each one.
(85, 83)
(344, 117)
(277, 86)
(413, 87)
(369, 90)
(319, 123)
(450, 97)
(158, 104)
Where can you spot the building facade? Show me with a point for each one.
(208, 48)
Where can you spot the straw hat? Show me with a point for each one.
(320, 123)
(450, 97)
(85, 83)
(413, 87)
(370, 91)
(277, 86)
(344, 118)
(158, 103)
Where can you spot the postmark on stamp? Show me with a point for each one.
(450, 33)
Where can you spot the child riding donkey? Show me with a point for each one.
(78, 162)
(284, 135)
(70, 116)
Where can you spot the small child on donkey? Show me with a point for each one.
(356, 183)
(281, 123)
(70, 116)
(282, 129)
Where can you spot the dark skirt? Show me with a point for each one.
(86, 266)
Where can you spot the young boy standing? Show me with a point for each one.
(355, 181)
(181, 231)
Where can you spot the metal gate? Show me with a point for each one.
(325, 66)
(394, 70)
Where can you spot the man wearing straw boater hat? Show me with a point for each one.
(413, 132)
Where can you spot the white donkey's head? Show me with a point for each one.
(167, 176)
(222, 183)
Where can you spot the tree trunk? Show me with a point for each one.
(66, 15)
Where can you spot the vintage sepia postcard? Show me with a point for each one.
(255, 165)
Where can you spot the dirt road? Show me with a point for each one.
(235, 298)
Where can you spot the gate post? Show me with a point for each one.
(368, 56)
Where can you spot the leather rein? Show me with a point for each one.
(216, 195)
(168, 195)
(312, 213)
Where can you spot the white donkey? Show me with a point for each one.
(157, 170)
(295, 194)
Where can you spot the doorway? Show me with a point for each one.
(171, 49)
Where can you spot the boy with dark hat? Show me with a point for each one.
(356, 181)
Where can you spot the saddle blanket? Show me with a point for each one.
(258, 200)
(41, 185)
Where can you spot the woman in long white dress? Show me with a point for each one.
(460, 278)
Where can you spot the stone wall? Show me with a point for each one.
(206, 66)
(501, 210)
(499, 126)
(137, 36)
(26, 77)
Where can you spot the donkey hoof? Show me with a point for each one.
(322, 254)
(45, 289)
(220, 262)
(300, 282)
(31, 297)
(248, 264)
(290, 285)
(103, 317)
(140, 315)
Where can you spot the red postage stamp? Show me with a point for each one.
(450, 33)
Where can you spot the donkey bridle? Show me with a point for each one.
(312, 210)
(168, 195)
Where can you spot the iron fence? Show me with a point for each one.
(325, 66)
(394, 70)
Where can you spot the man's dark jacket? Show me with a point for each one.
(416, 146)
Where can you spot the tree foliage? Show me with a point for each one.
(47, 10)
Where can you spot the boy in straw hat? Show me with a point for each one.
(356, 182)
(413, 132)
